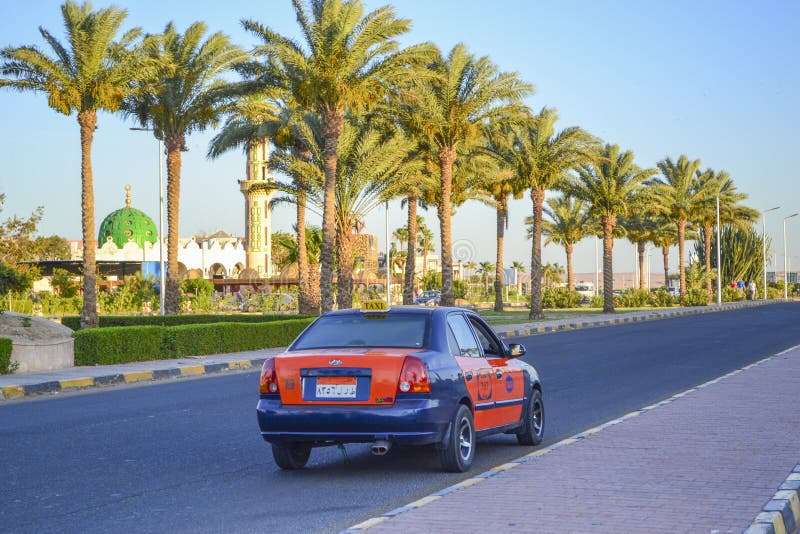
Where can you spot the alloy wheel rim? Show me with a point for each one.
(536, 417)
(465, 440)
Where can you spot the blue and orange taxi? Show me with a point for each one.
(405, 375)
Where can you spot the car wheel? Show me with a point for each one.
(458, 449)
(291, 455)
(532, 430)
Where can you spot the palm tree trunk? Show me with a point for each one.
(681, 257)
(707, 244)
(498, 266)
(306, 304)
(344, 272)
(570, 275)
(411, 259)
(537, 197)
(174, 144)
(88, 121)
(447, 156)
(665, 254)
(608, 269)
(640, 249)
(331, 129)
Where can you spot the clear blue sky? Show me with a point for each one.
(716, 80)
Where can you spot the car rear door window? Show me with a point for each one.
(463, 333)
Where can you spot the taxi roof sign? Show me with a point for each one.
(374, 306)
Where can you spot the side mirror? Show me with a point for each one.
(515, 350)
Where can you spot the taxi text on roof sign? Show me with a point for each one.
(374, 305)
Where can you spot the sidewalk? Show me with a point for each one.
(706, 460)
(26, 384)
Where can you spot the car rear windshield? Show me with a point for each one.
(365, 330)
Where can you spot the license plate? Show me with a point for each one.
(339, 387)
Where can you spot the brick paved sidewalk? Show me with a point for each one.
(705, 462)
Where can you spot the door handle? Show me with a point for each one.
(498, 373)
(468, 375)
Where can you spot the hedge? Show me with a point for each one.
(5, 357)
(74, 322)
(120, 344)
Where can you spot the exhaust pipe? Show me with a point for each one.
(380, 447)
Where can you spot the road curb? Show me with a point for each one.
(55, 386)
(781, 515)
(782, 503)
(652, 316)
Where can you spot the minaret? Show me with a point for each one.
(257, 191)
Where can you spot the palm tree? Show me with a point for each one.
(609, 185)
(401, 235)
(91, 73)
(680, 199)
(185, 93)
(551, 274)
(485, 268)
(261, 118)
(639, 230)
(424, 243)
(372, 168)
(664, 235)
(445, 110)
(349, 61)
(542, 159)
(719, 185)
(568, 224)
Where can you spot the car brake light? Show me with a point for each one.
(269, 378)
(413, 377)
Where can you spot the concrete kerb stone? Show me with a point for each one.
(55, 386)
(781, 514)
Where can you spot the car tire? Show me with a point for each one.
(291, 455)
(458, 450)
(532, 430)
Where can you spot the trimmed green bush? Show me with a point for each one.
(175, 320)
(635, 298)
(219, 338)
(120, 344)
(695, 297)
(6, 367)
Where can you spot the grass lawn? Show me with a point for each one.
(516, 317)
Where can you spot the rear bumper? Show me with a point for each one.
(410, 421)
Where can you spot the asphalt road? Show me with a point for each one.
(186, 456)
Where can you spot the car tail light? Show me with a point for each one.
(269, 378)
(413, 377)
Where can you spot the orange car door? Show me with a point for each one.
(507, 381)
(474, 367)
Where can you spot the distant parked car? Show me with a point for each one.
(429, 295)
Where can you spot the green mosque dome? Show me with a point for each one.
(127, 224)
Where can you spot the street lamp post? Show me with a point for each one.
(161, 273)
(764, 244)
(719, 261)
(786, 258)
(388, 264)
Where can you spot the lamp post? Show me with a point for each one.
(161, 273)
(719, 262)
(786, 259)
(388, 263)
(596, 269)
(764, 244)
